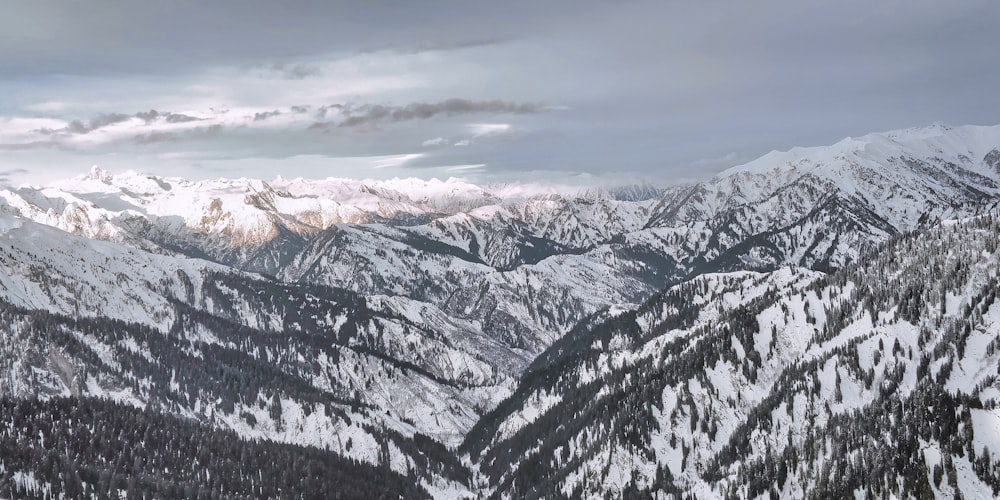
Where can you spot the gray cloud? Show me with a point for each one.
(153, 115)
(321, 112)
(206, 132)
(433, 46)
(283, 70)
(155, 137)
(373, 113)
(100, 121)
(180, 118)
(302, 71)
(108, 119)
(264, 115)
(648, 86)
(321, 126)
(198, 133)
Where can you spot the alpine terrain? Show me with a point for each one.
(821, 322)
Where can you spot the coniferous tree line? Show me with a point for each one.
(180, 373)
(94, 448)
(876, 448)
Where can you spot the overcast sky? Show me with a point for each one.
(664, 91)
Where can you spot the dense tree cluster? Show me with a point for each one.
(804, 435)
(76, 448)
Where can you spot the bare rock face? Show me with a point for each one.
(992, 159)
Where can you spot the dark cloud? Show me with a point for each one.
(373, 113)
(180, 118)
(321, 112)
(153, 115)
(100, 121)
(290, 70)
(264, 115)
(148, 116)
(155, 137)
(108, 119)
(199, 133)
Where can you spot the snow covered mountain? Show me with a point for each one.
(878, 379)
(298, 364)
(495, 249)
(572, 340)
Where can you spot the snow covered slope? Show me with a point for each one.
(471, 250)
(293, 363)
(825, 206)
(380, 320)
(880, 378)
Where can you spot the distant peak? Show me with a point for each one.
(99, 174)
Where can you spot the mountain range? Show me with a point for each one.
(818, 322)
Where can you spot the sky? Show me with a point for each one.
(593, 91)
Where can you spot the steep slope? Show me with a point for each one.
(525, 308)
(390, 315)
(299, 364)
(89, 448)
(881, 378)
(822, 207)
(525, 262)
(246, 223)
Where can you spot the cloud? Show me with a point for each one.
(153, 115)
(437, 141)
(370, 114)
(489, 129)
(465, 168)
(395, 161)
(319, 126)
(261, 116)
(155, 137)
(206, 132)
(323, 110)
(433, 46)
(288, 70)
(79, 127)
(667, 88)
(100, 121)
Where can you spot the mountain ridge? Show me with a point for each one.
(391, 321)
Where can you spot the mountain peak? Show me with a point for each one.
(98, 174)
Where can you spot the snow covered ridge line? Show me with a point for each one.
(849, 164)
(474, 253)
(415, 189)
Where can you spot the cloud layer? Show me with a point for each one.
(369, 114)
(664, 90)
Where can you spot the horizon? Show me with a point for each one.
(552, 181)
